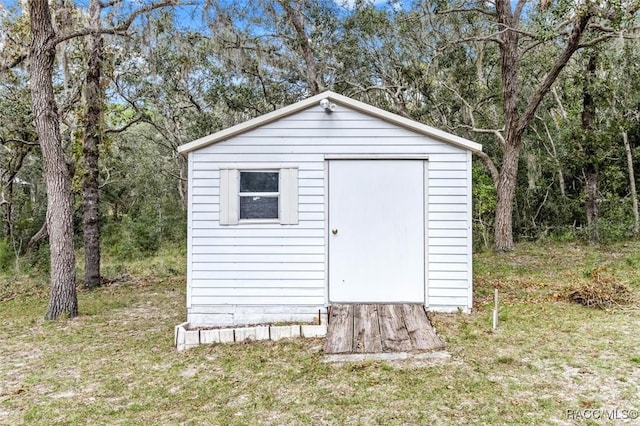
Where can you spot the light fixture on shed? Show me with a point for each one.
(328, 106)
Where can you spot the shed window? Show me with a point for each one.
(259, 196)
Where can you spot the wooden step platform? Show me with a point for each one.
(379, 328)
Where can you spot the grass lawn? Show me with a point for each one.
(115, 363)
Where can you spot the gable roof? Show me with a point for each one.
(338, 100)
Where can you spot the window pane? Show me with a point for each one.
(258, 181)
(258, 207)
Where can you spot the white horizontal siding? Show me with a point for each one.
(246, 283)
(255, 258)
(438, 166)
(448, 284)
(436, 292)
(447, 267)
(448, 275)
(214, 216)
(258, 291)
(448, 208)
(448, 216)
(442, 182)
(211, 222)
(448, 258)
(447, 303)
(207, 183)
(236, 241)
(259, 232)
(318, 145)
(449, 234)
(458, 175)
(447, 199)
(262, 266)
(201, 207)
(208, 170)
(265, 250)
(328, 132)
(256, 300)
(284, 273)
(267, 271)
(448, 224)
(450, 249)
(448, 190)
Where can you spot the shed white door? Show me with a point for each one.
(376, 231)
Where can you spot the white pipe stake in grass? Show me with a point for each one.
(495, 309)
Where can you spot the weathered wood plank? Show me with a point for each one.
(366, 329)
(393, 332)
(380, 328)
(423, 336)
(340, 334)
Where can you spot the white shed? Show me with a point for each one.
(328, 200)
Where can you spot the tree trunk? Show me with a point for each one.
(517, 121)
(59, 209)
(632, 184)
(591, 166)
(506, 185)
(90, 150)
(506, 193)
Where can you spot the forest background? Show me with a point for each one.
(96, 96)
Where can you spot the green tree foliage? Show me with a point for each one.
(173, 79)
(141, 207)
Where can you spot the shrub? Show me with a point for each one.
(7, 257)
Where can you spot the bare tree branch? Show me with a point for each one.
(491, 37)
(465, 10)
(563, 112)
(173, 175)
(14, 63)
(491, 166)
(124, 127)
(506, 28)
(38, 237)
(496, 132)
(600, 39)
(72, 99)
(120, 29)
(544, 200)
(21, 141)
(531, 46)
(106, 180)
(573, 44)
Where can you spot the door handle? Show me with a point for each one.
(334, 231)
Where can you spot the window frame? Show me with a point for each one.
(241, 194)
(229, 191)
